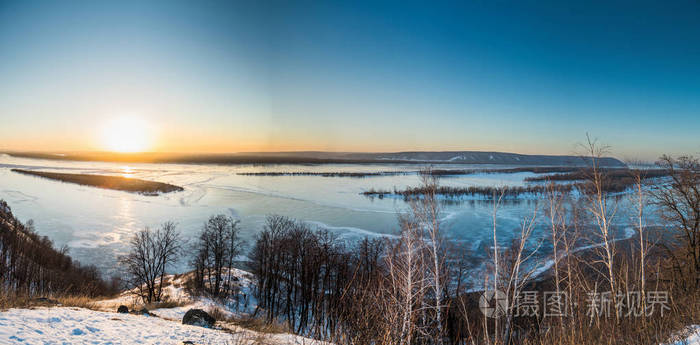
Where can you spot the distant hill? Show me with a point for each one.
(479, 157)
(319, 157)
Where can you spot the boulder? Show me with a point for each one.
(123, 309)
(45, 300)
(198, 317)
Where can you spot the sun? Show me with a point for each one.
(126, 134)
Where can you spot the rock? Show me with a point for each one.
(198, 317)
(45, 300)
(144, 311)
(123, 309)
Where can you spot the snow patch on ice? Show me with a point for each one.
(629, 232)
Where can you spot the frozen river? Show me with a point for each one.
(96, 224)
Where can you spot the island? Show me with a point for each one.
(121, 183)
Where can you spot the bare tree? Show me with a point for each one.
(218, 246)
(497, 198)
(638, 219)
(558, 228)
(569, 238)
(599, 204)
(426, 212)
(517, 271)
(512, 269)
(679, 201)
(151, 253)
(169, 245)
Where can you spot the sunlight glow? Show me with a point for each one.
(126, 134)
(127, 171)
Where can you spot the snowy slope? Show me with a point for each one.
(242, 304)
(65, 325)
(62, 325)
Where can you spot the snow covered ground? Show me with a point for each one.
(63, 325)
(691, 336)
(68, 325)
(240, 305)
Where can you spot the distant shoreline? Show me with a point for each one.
(120, 183)
(317, 158)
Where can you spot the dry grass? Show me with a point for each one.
(164, 304)
(136, 305)
(8, 301)
(78, 301)
(217, 314)
(22, 301)
(260, 325)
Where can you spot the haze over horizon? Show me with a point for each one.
(220, 77)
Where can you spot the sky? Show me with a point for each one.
(202, 76)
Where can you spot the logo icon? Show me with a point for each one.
(493, 303)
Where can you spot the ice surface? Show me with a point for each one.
(96, 224)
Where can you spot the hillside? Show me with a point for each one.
(478, 157)
(64, 325)
(96, 321)
(31, 265)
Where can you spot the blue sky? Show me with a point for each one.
(529, 77)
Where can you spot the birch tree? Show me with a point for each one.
(603, 209)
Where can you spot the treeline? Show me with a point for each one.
(31, 266)
(325, 288)
(301, 274)
(435, 172)
(372, 292)
(533, 169)
(614, 181)
(326, 174)
(625, 176)
(413, 288)
(455, 192)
